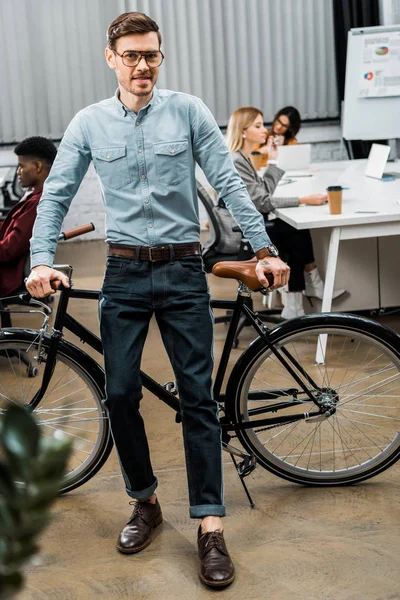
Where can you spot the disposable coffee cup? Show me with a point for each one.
(256, 160)
(335, 195)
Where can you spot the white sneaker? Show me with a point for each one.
(315, 286)
(294, 306)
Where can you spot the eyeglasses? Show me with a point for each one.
(282, 124)
(131, 58)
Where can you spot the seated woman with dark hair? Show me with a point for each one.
(245, 130)
(284, 128)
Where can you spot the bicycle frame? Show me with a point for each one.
(63, 320)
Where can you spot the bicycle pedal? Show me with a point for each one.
(171, 387)
(246, 466)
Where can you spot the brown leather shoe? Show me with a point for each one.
(216, 567)
(136, 535)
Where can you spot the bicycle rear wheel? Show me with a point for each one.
(360, 378)
(72, 402)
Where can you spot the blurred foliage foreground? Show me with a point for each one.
(31, 468)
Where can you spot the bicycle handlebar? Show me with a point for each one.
(76, 231)
(64, 235)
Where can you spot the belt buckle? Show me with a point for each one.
(151, 249)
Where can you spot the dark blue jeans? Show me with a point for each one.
(177, 293)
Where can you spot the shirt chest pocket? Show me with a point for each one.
(111, 164)
(172, 162)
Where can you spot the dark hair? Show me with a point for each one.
(294, 121)
(37, 147)
(131, 22)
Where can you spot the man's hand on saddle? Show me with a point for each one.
(274, 270)
(44, 281)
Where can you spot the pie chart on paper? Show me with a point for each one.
(382, 50)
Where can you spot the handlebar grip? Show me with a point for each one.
(25, 297)
(270, 278)
(71, 233)
(55, 285)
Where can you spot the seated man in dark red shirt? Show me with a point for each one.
(35, 157)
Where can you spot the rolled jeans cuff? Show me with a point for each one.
(143, 493)
(207, 510)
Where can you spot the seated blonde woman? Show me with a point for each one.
(246, 130)
(284, 128)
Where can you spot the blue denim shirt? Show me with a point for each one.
(146, 166)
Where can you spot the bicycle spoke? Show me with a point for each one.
(71, 403)
(359, 383)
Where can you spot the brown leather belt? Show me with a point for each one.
(155, 253)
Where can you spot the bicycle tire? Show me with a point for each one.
(72, 402)
(362, 438)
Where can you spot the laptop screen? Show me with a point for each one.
(294, 157)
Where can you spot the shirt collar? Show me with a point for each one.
(122, 108)
(31, 193)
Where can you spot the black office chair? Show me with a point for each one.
(212, 254)
(11, 191)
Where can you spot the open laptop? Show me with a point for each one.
(377, 159)
(295, 157)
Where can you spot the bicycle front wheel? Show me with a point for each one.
(72, 402)
(359, 379)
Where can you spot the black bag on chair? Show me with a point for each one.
(230, 240)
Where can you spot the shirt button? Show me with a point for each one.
(150, 225)
(139, 149)
(172, 150)
(137, 123)
(147, 201)
(108, 156)
(143, 176)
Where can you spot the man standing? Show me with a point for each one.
(35, 157)
(144, 143)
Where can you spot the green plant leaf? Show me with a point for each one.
(9, 518)
(41, 495)
(21, 553)
(38, 463)
(10, 585)
(7, 487)
(52, 459)
(32, 524)
(20, 433)
(4, 550)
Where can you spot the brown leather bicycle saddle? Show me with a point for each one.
(244, 271)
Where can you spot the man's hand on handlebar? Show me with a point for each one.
(44, 281)
(270, 268)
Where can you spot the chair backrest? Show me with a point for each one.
(223, 243)
(10, 189)
(209, 205)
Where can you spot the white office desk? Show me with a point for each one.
(371, 208)
(355, 222)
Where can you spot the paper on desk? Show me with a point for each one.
(348, 174)
(300, 174)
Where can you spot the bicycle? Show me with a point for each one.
(331, 421)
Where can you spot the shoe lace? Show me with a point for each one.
(213, 540)
(138, 510)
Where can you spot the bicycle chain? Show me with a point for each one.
(268, 427)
